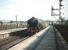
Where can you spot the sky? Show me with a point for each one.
(25, 9)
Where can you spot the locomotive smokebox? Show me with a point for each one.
(33, 22)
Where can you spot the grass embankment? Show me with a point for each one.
(63, 29)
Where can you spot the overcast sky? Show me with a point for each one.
(25, 9)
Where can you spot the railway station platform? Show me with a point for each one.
(46, 39)
(5, 33)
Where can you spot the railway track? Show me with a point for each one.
(15, 38)
(11, 43)
(7, 40)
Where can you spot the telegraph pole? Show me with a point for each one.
(58, 9)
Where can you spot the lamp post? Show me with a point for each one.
(16, 21)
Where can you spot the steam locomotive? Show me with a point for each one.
(34, 25)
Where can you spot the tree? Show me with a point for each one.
(66, 22)
(1, 22)
(62, 20)
(11, 21)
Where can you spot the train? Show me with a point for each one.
(35, 25)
